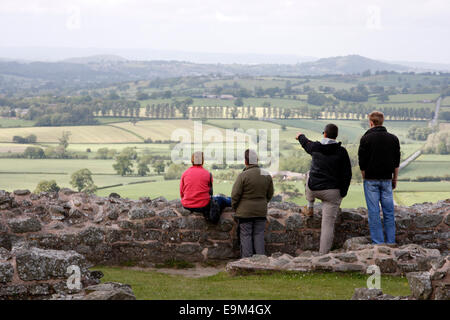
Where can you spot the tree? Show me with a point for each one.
(174, 171)
(130, 153)
(64, 140)
(317, 99)
(34, 153)
(82, 181)
(123, 165)
(142, 168)
(47, 186)
(238, 102)
(234, 112)
(159, 166)
(383, 97)
(142, 96)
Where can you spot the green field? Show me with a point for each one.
(351, 129)
(26, 173)
(13, 147)
(153, 285)
(426, 168)
(79, 134)
(12, 122)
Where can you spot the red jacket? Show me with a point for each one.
(194, 187)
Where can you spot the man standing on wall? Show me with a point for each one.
(379, 159)
(328, 180)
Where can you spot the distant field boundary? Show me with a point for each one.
(123, 184)
(110, 186)
(17, 172)
(410, 159)
(127, 130)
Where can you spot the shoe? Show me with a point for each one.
(309, 212)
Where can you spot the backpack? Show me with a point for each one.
(212, 212)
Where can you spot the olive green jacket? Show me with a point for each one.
(251, 193)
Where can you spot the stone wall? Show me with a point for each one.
(116, 231)
(33, 273)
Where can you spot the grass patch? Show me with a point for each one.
(175, 264)
(149, 285)
(79, 134)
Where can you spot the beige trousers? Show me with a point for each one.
(331, 200)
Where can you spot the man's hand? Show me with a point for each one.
(298, 135)
(363, 174)
(394, 179)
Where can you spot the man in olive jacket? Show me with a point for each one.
(252, 190)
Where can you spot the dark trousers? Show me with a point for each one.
(251, 234)
(222, 201)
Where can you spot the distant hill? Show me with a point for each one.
(95, 59)
(113, 68)
(349, 65)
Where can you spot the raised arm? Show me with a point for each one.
(305, 143)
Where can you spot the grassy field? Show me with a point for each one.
(56, 165)
(79, 134)
(420, 168)
(161, 129)
(423, 191)
(287, 135)
(13, 147)
(151, 285)
(26, 173)
(11, 122)
(413, 97)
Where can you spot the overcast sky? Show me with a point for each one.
(411, 30)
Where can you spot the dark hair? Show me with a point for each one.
(331, 130)
(247, 156)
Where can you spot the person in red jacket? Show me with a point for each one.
(196, 187)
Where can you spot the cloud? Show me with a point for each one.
(225, 18)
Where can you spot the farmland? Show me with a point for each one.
(143, 116)
(26, 173)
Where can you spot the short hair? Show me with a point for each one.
(331, 131)
(197, 158)
(251, 157)
(377, 117)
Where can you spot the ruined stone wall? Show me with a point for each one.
(116, 231)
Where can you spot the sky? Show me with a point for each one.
(395, 30)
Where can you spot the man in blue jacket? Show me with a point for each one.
(328, 180)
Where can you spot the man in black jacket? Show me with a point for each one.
(328, 180)
(379, 160)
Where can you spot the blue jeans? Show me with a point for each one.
(223, 201)
(376, 192)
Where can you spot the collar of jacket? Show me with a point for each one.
(376, 129)
(250, 166)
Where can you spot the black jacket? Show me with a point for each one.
(330, 167)
(378, 153)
